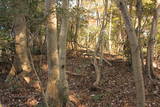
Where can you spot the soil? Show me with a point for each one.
(116, 88)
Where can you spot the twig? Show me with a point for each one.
(34, 69)
(74, 74)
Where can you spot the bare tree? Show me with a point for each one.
(99, 45)
(21, 40)
(62, 48)
(139, 13)
(110, 27)
(53, 92)
(136, 60)
(77, 26)
(151, 42)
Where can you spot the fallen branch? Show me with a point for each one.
(90, 52)
(75, 101)
(74, 74)
(98, 57)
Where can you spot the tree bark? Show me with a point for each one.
(109, 33)
(62, 49)
(21, 47)
(21, 42)
(136, 60)
(53, 92)
(77, 25)
(99, 45)
(139, 13)
(21, 36)
(151, 41)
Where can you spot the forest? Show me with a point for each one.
(79, 53)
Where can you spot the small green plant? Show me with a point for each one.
(78, 70)
(97, 97)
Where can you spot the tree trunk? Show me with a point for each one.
(99, 45)
(21, 37)
(139, 13)
(21, 41)
(21, 63)
(62, 49)
(136, 60)
(151, 41)
(77, 25)
(53, 94)
(109, 34)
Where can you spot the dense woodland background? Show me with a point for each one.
(79, 53)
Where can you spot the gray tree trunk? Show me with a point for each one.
(77, 25)
(136, 60)
(151, 42)
(53, 92)
(62, 48)
(21, 36)
(99, 45)
(21, 58)
(21, 42)
(110, 27)
(139, 13)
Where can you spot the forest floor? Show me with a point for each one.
(116, 88)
